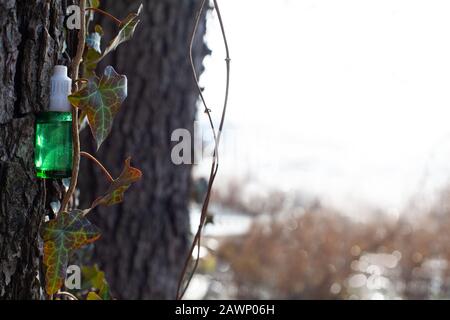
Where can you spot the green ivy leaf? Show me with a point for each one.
(93, 296)
(101, 99)
(68, 232)
(105, 292)
(94, 279)
(99, 29)
(90, 61)
(95, 3)
(93, 41)
(93, 54)
(126, 32)
(116, 190)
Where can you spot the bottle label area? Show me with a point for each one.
(53, 152)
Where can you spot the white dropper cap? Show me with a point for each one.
(61, 87)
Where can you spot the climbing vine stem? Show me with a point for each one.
(117, 21)
(70, 230)
(75, 125)
(98, 163)
(181, 290)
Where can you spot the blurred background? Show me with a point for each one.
(334, 171)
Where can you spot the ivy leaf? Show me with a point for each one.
(95, 3)
(101, 99)
(94, 279)
(94, 55)
(105, 292)
(126, 32)
(93, 52)
(68, 232)
(98, 28)
(93, 296)
(116, 190)
(93, 41)
(90, 61)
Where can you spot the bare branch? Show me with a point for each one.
(217, 136)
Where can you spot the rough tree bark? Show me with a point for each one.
(145, 239)
(30, 44)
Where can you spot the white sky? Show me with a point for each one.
(347, 99)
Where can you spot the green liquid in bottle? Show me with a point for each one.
(53, 151)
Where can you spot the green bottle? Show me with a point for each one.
(53, 145)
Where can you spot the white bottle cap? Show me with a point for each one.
(61, 87)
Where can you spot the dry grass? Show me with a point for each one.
(312, 254)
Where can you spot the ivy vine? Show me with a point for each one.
(97, 99)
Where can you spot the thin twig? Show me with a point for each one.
(98, 163)
(194, 72)
(180, 294)
(75, 126)
(215, 162)
(117, 21)
(79, 82)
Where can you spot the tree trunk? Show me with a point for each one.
(145, 239)
(30, 44)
